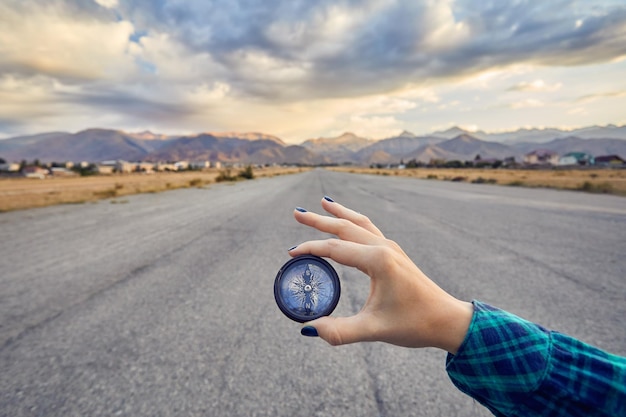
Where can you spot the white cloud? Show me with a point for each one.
(535, 86)
(171, 61)
(204, 94)
(109, 4)
(49, 41)
(442, 30)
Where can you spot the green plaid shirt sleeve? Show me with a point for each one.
(518, 368)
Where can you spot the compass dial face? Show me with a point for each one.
(306, 288)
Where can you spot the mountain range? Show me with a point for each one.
(95, 145)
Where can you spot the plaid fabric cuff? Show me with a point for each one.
(518, 368)
(502, 359)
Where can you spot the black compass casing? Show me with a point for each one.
(307, 288)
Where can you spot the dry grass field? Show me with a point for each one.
(609, 181)
(21, 193)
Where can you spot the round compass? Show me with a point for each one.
(306, 288)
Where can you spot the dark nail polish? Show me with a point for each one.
(301, 210)
(292, 248)
(309, 331)
(327, 198)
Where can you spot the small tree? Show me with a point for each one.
(247, 173)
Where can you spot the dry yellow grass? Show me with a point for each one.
(610, 181)
(21, 193)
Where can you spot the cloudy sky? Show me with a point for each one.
(300, 69)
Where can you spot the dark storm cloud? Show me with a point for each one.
(385, 46)
(113, 100)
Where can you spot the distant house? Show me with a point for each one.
(577, 158)
(161, 166)
(199, 165)
(9, 167)
(61, 172)
(124, 167)
(35, 172)
(104, 169)
(147, 167)
(181, 165)
(609, 160)
(117, 166)
(541, 157)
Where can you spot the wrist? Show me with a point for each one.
(451, 325)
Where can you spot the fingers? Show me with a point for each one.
(344, 252)
(342, 330)
(342, 212)
(348, 225)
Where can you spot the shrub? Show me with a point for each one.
(516, 183)
(603, 187)
(108, 193)
(225, 175)
(481, 180)
(196, 182)
(453, 164)
(247, 173)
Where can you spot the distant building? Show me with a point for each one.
(199, 165)
(165, 167)
(104, 169)
(118, 165)
(124, 167)
(147, 167)
(181, 165)
(609, 160)
(541, 157)
(61, 172)
(577, 158)
(35, 172)
(9, 167)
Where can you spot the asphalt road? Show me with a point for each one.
(163, 305)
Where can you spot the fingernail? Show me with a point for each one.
(327, 198)
(292, 248)
(309, 331)
(301, 210)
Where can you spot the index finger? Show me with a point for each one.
(342, 228)
(343, 212)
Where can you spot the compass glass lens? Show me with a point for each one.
(307, 288)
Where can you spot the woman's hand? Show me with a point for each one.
(404, 306)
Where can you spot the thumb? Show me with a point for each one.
(337, 330)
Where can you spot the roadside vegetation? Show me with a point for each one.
(22, 193)
(226, 174)
(600, 181)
